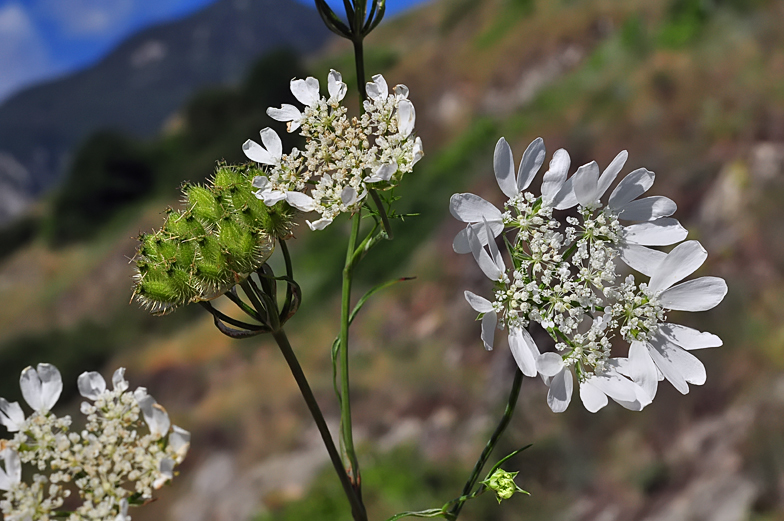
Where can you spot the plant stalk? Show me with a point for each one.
(357, 509)
(491, 443)
(345, 312)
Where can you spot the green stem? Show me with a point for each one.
(345, 402)
(359, 61)
(491, 443)
(357, 509)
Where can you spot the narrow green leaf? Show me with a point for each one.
(331, 20)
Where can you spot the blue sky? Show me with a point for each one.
(40, 39)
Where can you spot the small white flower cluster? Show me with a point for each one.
(110, 454)
(566, 281)
(343, 156)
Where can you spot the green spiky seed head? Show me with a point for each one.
(223, 234)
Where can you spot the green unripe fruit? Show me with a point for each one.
(222, 235)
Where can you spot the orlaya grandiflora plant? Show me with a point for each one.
(112, 462)
(564, 277)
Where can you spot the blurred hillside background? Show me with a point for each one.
(694, 89)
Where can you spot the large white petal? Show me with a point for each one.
(91, 385)
(533, 157)
(593, 399)
(648, 209)
(645, 260)
(401, 91)
(272, 143)
(383, 173)
(12, 474)
(179, 441)
(560, 393)
(261, 182)
(377, 89)
(681, 262)
(611, 172)
(699, 294)
(11, 415)
(631, 187)
(688, 338)
(495, 253)
(460, 243)
(118, 380)
(661, 232)
(419, 152)
(503, 166)
(555, 176)
(300, 201)
(524, 350)
(471, 208)
(479, 304)
(614, 385)
(154, 415)
(320, 224)
(406, 117)
(669, 368)
(678, 360)
(335, 85)
(42, 387)
(586, 184)
(641, 369)
(482, 258)
(549, 364)
(306, 91)
(30, 384)
(489, 322)
(272, 197)
(258, 153)
(286, 112)
(565, 197)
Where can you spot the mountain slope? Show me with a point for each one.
(142, 82)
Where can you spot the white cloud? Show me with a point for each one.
(24, 55)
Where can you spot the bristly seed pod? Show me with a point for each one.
(223, 234)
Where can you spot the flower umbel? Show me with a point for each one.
(112, 462)
(343, 157)
(564, 276)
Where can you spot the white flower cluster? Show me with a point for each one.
(564, 277)
(109, 455)
(342, 155)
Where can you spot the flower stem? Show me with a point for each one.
(357, 509)
(345, 402)
(491, 443)
(359, 60)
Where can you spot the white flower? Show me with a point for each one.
(594, 390)
(154, 415)
(165, 473)
(307, 92)
(11, 415)
(342, 155)
(180, 442)
(335, 86)
(564, 278)
(12, 474)
(42, 387)
(92, 385)
(265, 191)
(377, 90)
(473, 209)
(270, 153)
(666, 351)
